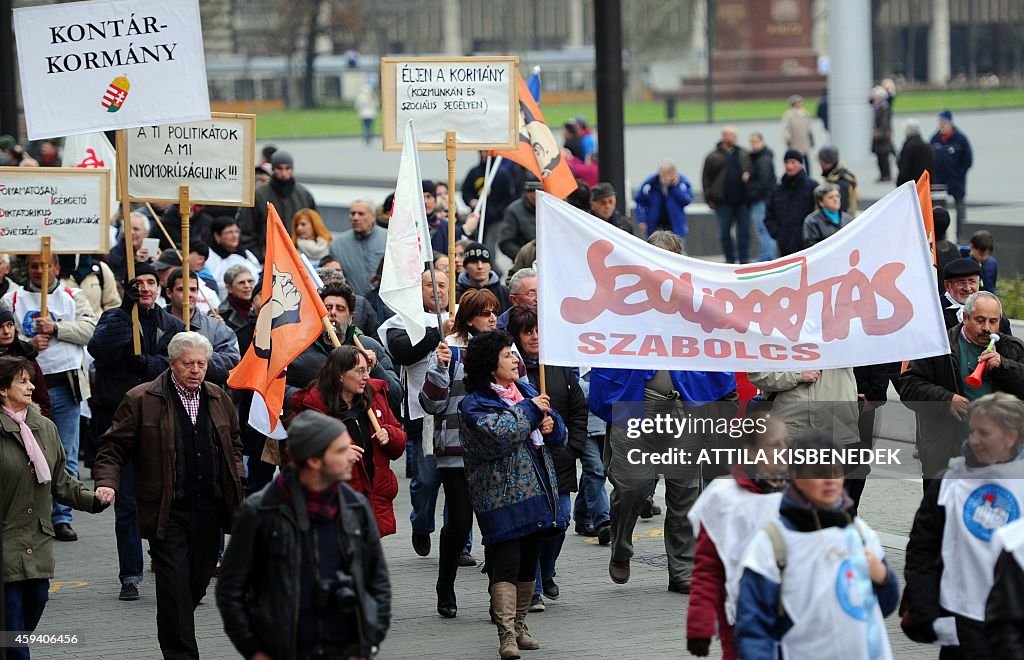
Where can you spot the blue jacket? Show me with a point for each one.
(952, 160)
(618, 394)
(513, 487)
(651, 199)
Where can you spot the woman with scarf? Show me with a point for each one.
(815, 583)
(567, 398)
(828, 218)
(727, 514)
(506, 428)
(442, 392)
(240, 284)
(951, 555)
(226, 249)
(343, 389)
(31, 473)
(310, 236)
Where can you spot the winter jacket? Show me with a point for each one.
(99, 287)
(841, 175)
(818, 227)
(518, 228)
(142, 434)
(621, 222)
(932, 381)
(25, 503)
(881, 131)
(259, 589)
(916, 158)
(652, 198)
(117, 368)
(232, 317)
(512, 483)
(796, 130)
(26, 350)
(1004, 612)
(829, 403)
(493, 285)
(791, 202)
(382, 488)
(625, 387)
(225, 347)
(563, 386)
(502, 194)
(359, 255)
(762, 175)
(716, 167)
(953, 157)
(252, 221)
(443, 391)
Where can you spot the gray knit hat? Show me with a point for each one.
(310, 433)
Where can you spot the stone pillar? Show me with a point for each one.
(699, 38)
(819, 26)
(850, 83)
(452, 27)
(938, 44)
(575, 24)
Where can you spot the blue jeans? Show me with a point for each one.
(766, 249)
(592, 506)
(423, 488)
(126, 529)
(66, 412)
(729, 215)
(24, 601)
(550, 547)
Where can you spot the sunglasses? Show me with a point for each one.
(487, 312)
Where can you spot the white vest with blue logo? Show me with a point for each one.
(59, 356)
(978, 501)
(827, 592)
(731, 515)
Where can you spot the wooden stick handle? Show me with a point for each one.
(45, 288)
(543, 379)
(185, 210)
(213, 310)
(372, 414)
(126, 222)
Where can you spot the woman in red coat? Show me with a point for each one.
(344, 389)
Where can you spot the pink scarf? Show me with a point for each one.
(511, 396)
(35, 454)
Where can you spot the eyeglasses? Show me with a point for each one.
(964, 283)
(532, 295)
(487, 312)
(361, 371)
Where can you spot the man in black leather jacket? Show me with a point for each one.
(304, 574)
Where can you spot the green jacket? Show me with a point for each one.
(25, 504)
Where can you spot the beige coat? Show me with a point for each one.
(796, 130)
(100, 298)
(830, 403)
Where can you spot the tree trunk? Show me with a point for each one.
(308, 79)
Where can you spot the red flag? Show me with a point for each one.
(538, 151)
(290, 319)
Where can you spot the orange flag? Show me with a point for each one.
(290, 319)
(538, 151)
(924, 194)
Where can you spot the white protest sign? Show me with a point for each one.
(70, 205)
(96, 66)
(214, 158)
(477, 97)
(609, 299)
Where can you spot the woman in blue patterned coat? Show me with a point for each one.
(505, 428)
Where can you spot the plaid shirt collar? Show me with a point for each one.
(189, 398)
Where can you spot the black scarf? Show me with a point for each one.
(282, 188)
(806, 517)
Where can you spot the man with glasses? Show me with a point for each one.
(961, 278)
(522, 289)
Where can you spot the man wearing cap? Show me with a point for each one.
(603, 202)
(961, 278)
(477, 274)
(791, 202)
(724, 179)
(936, 388)
(118, 370)
(166, 263)
(225, 356)
(180, 435)
(285, 193)
(835, 171)
(520, 224)
(279, 600)
(953, 157)
(360, 248)
(60, 337)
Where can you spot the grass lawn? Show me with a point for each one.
(343, 121)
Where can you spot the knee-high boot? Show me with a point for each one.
(524, 593)
(503, 604)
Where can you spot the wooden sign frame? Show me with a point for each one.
(389, 103)
(104, 228)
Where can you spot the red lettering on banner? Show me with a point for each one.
(591, 343)
(806, 352)
(845, 297)
(624, 341)
(773, 352)
(596, 343)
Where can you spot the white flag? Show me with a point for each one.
(259, 419)
(92, 150)
(408, 246)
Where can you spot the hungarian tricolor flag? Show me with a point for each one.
(538, 151)
(290, 319)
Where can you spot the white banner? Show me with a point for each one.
(214, 158)
(864, 296)
(95, 66)
(70, 205)
(92, 151)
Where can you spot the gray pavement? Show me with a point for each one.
(593, 618)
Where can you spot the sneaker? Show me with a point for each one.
(604, 534)
(585, 530)
(550, 589)
(467, 560)
(129, 591)
(63, 532)
(421, 544)
(536, 604)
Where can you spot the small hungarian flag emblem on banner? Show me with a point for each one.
(116, 93)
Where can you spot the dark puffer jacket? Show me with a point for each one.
(791, 202)
(563, 386)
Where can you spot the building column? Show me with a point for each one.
(575, 24)
(938, 44)
(850, 82)
(452, 26)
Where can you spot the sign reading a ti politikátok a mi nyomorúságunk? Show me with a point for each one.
(477, 97)
(214, 158)
(70, 205)
(95, 66)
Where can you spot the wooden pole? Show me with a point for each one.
(449, 152)
(543, 379)
(333, 335)
(185, 210)
(126, 215)
(45, 287)
(213, 310)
